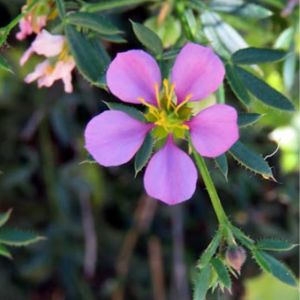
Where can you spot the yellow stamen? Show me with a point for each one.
(49, 70)
(184, 126)
(157, 94)
(152, 108)
(169, 90)
(64, 54)
(162, 120)
(166, 86)
(143, 101)
(187, 99)
(165, 114)
(170, 95)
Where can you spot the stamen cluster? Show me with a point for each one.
(168, 116)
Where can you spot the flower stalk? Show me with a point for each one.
(212, 192)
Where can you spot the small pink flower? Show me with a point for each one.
(29, 25)
(113, 137)
(25, 29)
(47, 72)
(34, 21)
(45, 44)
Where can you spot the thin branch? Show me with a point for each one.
(143, 216)
(90, 237)
(156, 267)
(180, 283)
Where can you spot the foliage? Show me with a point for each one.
(14, 237)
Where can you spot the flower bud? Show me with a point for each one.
(235, 257)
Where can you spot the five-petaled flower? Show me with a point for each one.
(58, 65)
(113, 137)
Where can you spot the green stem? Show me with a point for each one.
(212, 192)
(27, 10)
(221, 94)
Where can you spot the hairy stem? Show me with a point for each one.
(212, 192)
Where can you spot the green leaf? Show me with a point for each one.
(273, 266)
(261, 261)
(18, 238)
(222, 272)
(246, 119)
(263, 91)
(222, 164)
(250, 56)
(148, 38)
(114, 38)
(201, 283)
(4, 252)
(61, 8)
(4, 32)
(241, 8)
(93, 22)
(170, 54)
(143, 154)
(105, 5)
(4, 217)
(236, 85)
(285, 38)
(222, 36)
(132, 111)
(251, 160)
(242, 237)
(275, 245)
(91, 58)
(169, 31)
(4, 65)
(289, 70)
(210, 250)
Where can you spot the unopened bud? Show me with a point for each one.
(235, 257)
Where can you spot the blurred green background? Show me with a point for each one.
(105, 238)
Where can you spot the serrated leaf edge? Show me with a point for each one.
(36, 239)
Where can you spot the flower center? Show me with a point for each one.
(168, 116)
(49, 70)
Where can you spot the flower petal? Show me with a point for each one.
(26, 55)
(62, 70)
(113, 137)
(40, 23)
(133, 74)
(197, 71)
(48, 44)
(171, 175)
(39, 71)
(67, 80)
(25, 29)
(214, 130)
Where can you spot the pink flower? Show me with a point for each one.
(35, 20)
(25, 29)
(113, 137)
(44, 44)
(28, 27)
(46, 74)
(51, 46)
